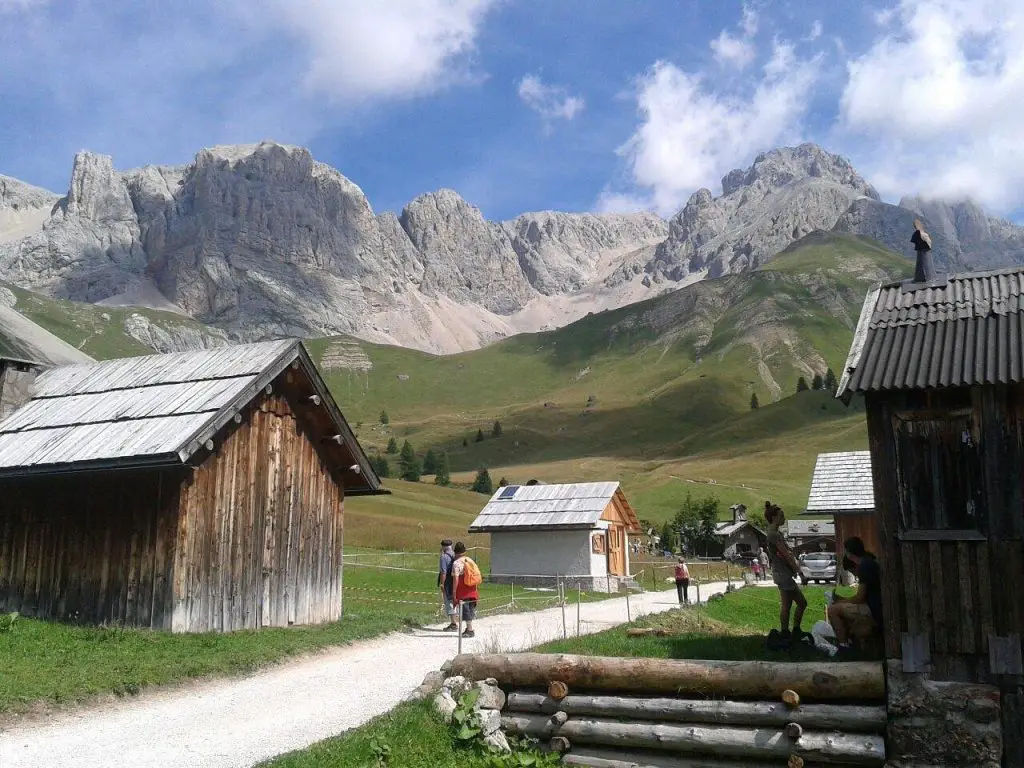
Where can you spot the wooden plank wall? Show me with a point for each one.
(94, 547)
(864, 526)
(260, 537)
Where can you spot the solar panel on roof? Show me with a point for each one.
(508, 491)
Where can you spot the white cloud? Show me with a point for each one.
(371, 49)
(17, 6)
(815, 33)
(692, 134)
(551, 102)
(940, 96)
(732, 51)
(750, 21)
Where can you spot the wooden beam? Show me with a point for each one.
(865, 719)
(863, 681)
(711, 741)
(595, 757)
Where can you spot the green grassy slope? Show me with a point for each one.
(98, 331)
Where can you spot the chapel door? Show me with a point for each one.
(616, 551)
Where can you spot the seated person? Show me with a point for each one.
(859, 617)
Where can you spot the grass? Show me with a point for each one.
(50, 663)
(731, 629)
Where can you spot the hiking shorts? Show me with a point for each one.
(468, 610)
(784, 580)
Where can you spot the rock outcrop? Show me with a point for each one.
(786, 194)
(262, 240)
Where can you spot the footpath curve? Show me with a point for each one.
(237, 723)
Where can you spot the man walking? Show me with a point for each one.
(466, 577)
(762, 557)
(445, 583)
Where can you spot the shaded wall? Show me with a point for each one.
(93, 547)
(261, 529)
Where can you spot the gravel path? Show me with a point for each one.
(237, 723)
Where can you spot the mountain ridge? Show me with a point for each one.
(261, 240)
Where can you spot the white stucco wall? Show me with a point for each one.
(599, 563)
(543, 553)
(746, 536)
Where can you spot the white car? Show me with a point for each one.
(819, 567)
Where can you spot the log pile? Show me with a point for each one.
(654, 713)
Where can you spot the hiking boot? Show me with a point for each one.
(451, 628)
(469, 633)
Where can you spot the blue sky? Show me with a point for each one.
(525, 104)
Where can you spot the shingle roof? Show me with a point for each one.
(152, 410)
(842, 483)
(729, 528)
(967, 331)
(809, 528)
(568, 505)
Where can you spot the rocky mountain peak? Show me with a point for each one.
(97, 192)
(779, 167)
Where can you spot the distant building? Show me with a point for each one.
(842, 487)
(737, 537)
(806, 536)
(192, 492)
(577, 530)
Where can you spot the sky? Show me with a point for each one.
(522, 105)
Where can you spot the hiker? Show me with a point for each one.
(785, 570)
(445, 584)
(683, 582)
(762, 557)
(466, 577)
(858, 617)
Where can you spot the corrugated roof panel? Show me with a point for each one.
(969, 331)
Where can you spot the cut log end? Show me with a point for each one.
(559, 744)
(791, 698)
(558, 690)
(793, 731)
(795, 761)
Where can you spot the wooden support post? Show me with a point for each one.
(839, 717)
(579, 604)
(629, 615)
(734, 679)
(561, 600)
(765, 745)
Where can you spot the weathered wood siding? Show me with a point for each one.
(92, 547)
(260, 534)
(962, 592)
(863, 526)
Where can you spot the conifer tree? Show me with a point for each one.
(392, 446)
(380, 466)
(817, 383)
(430, 462)
(496, 431)
(384, 418)
(479, 436)
(830, 381)
(408, 464)
(502, 483)
(754, 404)
(443, 474)
(483, 483)
(801, 384)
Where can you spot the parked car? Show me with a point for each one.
(819, 567)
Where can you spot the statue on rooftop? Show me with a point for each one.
(924, 270)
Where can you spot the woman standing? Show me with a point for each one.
(683, 581)
(785, 570)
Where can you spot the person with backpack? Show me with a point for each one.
(445, 584)
(467, 578)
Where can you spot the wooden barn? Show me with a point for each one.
(842, 486)
(940, 363)
(540, 533)
(192, 492)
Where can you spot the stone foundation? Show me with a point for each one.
(934, 723)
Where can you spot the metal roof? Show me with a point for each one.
(969, 330)
(569, 505)
(729, 528)
(151, 410)
(804, 529)
(842, 484)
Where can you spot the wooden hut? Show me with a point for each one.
(940, 363)
(201, 491)
(842, 487)
(577, 531)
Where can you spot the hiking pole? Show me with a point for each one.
(561, 591)
(460, 627)
(579, 603)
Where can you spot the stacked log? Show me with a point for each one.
(713, 714)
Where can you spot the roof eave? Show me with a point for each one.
(857, 346)
(156, 461)
(550, 527)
